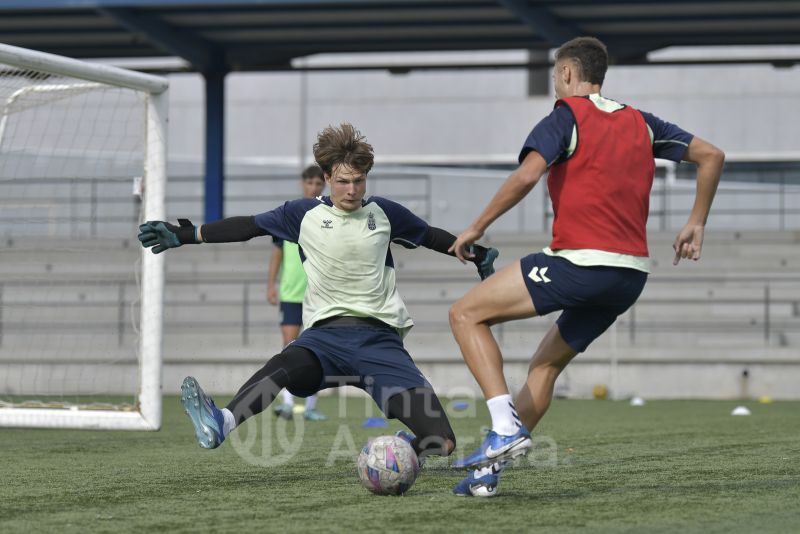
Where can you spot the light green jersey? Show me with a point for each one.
(293, 277)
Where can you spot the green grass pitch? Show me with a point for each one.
(600, 466)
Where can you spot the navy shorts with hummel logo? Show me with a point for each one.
(373, 359)
(592, 297)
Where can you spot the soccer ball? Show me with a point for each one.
(388, 465)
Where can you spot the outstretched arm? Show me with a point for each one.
(709, 160)
(442, 241)
(510, 193)
(161, 235)
(230, 230)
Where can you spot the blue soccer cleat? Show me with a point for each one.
(496, 447)
(206, 417)
(482, 486)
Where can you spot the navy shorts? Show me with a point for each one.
(291, 313)
(592, 297)
(371, 358)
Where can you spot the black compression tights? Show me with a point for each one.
(420, 410)
(295, 368)
(299, 369)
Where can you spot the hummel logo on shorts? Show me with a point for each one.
(538, 275)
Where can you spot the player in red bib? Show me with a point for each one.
(599, 154)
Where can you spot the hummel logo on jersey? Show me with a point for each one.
(326, 223)
(538, 275)
(371, 221)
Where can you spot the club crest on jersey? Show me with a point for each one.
(326, 223)
(371, 221)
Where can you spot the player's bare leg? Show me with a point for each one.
(289, 333)
(501, 297)
(550, 358)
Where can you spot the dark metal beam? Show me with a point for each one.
(629, 52)
(55, 4)
(200, 53)
(682, 18)
(555, 30)
(249, 54)
(594, 3)
(410, 67)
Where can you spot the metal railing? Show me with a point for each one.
(119, 311)
(85, 207)
(106, 207)
(775, 205)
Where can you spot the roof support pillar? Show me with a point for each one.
(215, 145)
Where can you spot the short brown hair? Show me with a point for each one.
(589, 55)
(343, 146)
(312, 171)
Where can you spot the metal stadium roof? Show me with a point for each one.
(214, 35)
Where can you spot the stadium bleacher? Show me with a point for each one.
(694, 330)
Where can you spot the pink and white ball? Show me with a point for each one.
(388, 465)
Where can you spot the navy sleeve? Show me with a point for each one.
(278, 242)
(669, 141)
(407, 228)
(552, 136)
(284, 222)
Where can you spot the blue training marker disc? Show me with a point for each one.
(373, 422)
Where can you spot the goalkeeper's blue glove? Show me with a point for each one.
(162, 235)
(484, 260)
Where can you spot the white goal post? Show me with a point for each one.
(49, 72)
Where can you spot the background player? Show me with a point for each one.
(600, 156)
(285, 260)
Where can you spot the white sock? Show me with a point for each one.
(311, 402)
(287, 397)
(495, 468)
(230, 422)
(505, 420)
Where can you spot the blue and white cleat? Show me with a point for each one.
(206, 417)
(483, 486)
(496, 447)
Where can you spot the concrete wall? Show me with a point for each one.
(745, 109)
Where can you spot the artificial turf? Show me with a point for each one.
(599, 466)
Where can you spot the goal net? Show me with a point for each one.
(82, 161)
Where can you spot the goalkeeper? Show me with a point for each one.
(353, 316)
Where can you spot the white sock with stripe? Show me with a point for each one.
(287, 397)
(505, 420)
(311, 402)
(230, 422)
